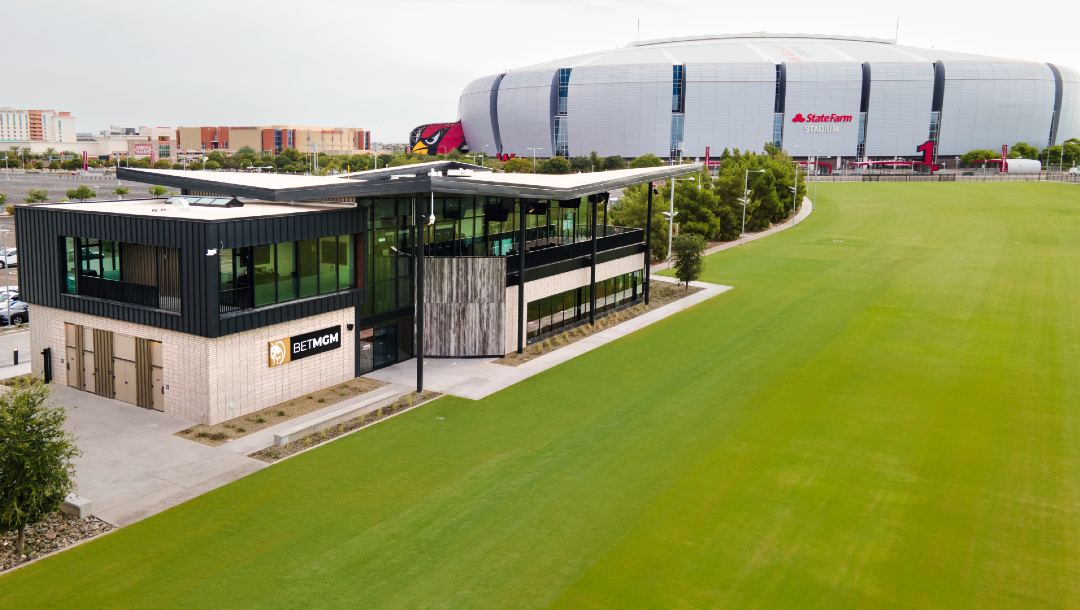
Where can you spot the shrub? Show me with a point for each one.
(36, 453)
(37, 196)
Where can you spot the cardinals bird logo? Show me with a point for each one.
(437, 139)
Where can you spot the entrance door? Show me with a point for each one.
(367, 351)
(386, 348)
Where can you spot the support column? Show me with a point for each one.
(648, 241)
(521, 280)
(594, 199)
(419, 310)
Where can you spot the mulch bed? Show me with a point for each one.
(56, 532)
(406, 402)
(660, 294)
(238, 427)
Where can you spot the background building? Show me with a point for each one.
(275, 138)
(26, 125)
(810, 95)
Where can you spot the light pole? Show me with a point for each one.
(745, 200)
(534, 149)
(482, 157)
(671, 214)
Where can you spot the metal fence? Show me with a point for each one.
(977, 177)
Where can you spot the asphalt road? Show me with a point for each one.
(10, 340)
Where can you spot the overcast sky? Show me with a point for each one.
(391, 65)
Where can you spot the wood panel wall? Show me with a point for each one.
(464, 306)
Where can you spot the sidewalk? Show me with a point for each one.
(804, 212)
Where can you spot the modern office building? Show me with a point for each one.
(810, 95)
(275, 138)
(252, 289)
(19, 125)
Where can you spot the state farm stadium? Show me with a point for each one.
(809, 95)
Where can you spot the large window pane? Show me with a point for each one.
(344, 261)
(265, 275)
(69, 265)
(286, 271)
(308, 266)
(328, 256)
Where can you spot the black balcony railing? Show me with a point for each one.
(127, 292)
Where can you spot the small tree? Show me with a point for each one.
(120, 191)
(36, 454)
(517, 165)
(647, 160)
(162, 164)
(157, 191)
(82, 193)
(687, 252)
(37, 196)
(554, 165)
(3, 200)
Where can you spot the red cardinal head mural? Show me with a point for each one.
(437, 139)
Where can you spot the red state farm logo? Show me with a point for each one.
(821, 118)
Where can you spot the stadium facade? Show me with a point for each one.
(810, 95)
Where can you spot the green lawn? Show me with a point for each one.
(884, 412)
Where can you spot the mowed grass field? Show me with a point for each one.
(884, 412)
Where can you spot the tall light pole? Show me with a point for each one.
(671, 213)
(534, 149)
(482, 157)
(745, 200)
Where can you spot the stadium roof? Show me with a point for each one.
(759, 47)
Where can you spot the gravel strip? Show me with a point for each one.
(57, 532)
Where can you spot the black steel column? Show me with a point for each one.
(419, 311)
(521, 281)
(648, 241)
(592, 276)
(606, 202)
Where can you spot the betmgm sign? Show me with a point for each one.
(284, 351)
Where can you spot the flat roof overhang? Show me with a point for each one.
(409, 179)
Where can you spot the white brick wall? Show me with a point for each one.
(562, 282)
(212, 380)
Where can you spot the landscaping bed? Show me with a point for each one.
(239, 427)
(661, 293)
(56, 532)
(404, 403)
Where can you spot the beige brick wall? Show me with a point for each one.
(562, 282)
(212, 380)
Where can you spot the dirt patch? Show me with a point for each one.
(239, 427)
(56, 532)
(661, 293)
(406, 402)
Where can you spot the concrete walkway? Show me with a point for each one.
(132, 466)
(804, 212)
(476, 378)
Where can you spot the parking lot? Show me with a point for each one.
(16, 184)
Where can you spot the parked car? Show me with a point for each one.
(14, 310)
(9, 257)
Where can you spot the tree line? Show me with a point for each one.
(1066, 154)
(711, 207)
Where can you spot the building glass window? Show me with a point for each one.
(69, 265)
(307, 256)
(678, 88)
(265, 275)
(550, 314)
(778, 129)
(345, 262)
(562, 142)
(286, 271)
(328, 257)
(676, 135)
